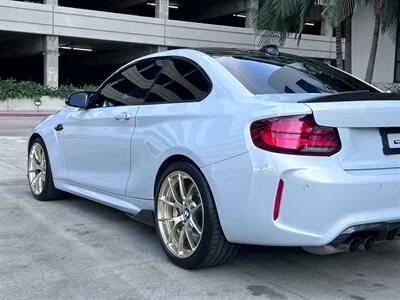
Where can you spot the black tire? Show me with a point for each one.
(213, 248)
(49, 191)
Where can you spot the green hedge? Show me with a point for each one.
(11, 89)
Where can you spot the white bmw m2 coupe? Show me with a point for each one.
(225, 147)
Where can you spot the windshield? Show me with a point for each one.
(289, 74)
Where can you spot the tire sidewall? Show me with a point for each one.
(201, 252)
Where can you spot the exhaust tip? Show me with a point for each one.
(351, 245)
(393, 234)
(354, 245)
(368, 243)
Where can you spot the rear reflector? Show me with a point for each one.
(297, 134)
(278, 197)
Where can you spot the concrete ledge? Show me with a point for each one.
(28, 105)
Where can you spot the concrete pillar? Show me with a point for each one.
(50, 46)
(51, 2)
(50, 52)
(326, 28)
(251, 11)
(327, 61)
(157, 49)
(162, 10)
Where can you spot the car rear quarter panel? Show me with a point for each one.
(193, 130)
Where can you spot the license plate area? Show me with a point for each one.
(390, 140)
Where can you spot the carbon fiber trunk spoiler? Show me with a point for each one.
(353, 96)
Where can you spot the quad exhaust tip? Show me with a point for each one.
(363, 240)
(364, 243)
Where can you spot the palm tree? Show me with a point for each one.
(374, 47)
(337, 11)
(348, 38)
(387, 18)
(339, 50)
(277, 18)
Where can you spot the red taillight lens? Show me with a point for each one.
(295, 135)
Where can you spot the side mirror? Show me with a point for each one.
(79, 99)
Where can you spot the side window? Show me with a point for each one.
(129, 87)
(179, 81)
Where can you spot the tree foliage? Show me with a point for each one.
(278, 18)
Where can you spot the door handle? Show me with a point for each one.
(123, 116)
(59, 127)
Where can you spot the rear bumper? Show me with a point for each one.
(320, 200)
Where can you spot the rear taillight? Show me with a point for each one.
(295, 135)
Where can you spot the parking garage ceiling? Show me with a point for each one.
(179, 9)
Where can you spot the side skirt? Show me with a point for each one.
(144, 216)
(132, 206)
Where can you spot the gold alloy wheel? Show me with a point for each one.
(180, 214)
(37, 169)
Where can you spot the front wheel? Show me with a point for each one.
(186, 219)
(39, 173)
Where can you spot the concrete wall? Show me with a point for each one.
(28, 105)
(363, 27)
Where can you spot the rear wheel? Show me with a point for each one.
(187, 221)
(39, 173)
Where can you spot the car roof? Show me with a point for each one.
(215, 52)
(279, 59)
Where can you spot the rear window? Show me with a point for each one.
(287, 74)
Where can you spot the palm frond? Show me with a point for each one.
(335, 11)
(390, 16)
(306, 9)
(275, 19)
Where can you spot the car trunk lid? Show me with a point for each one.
(356, 109)
(368, 124)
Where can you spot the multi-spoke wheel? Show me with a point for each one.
(37, 169)
(180, 214)
(187, 221)
(39, 172)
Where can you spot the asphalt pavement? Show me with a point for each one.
(78, 249)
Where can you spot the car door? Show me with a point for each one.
(97, 140)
